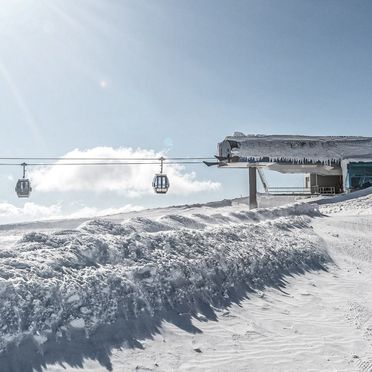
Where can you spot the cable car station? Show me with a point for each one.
(331, 164)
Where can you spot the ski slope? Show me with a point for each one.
(191, 288)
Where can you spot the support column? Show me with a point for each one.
(252, 187)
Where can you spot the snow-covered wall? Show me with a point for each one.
(292, 149)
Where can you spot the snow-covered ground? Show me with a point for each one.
(206, 288)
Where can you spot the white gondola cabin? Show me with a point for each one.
(160, 182)
(23, 187)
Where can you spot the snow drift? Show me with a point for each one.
(53, 286)
(356, 203)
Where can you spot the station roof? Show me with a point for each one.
(293, 153)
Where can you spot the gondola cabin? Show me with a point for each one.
(23, 188)
(160, 183)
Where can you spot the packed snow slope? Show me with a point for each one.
(69, 295)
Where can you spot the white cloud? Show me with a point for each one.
(10, 213)
(132, 180)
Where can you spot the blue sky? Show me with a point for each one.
(175, 76)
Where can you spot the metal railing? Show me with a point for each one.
(289, 190)
(323, 190)
(314, 190)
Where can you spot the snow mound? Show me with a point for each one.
(54, 284)
(355, 203)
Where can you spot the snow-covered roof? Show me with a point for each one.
(294, 149)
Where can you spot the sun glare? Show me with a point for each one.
(10, 8)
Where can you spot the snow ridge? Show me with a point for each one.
(53, 284)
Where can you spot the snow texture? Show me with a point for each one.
(357, 207)
(143, 270)
(305, 150)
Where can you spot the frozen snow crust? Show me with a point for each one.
(135, 274)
